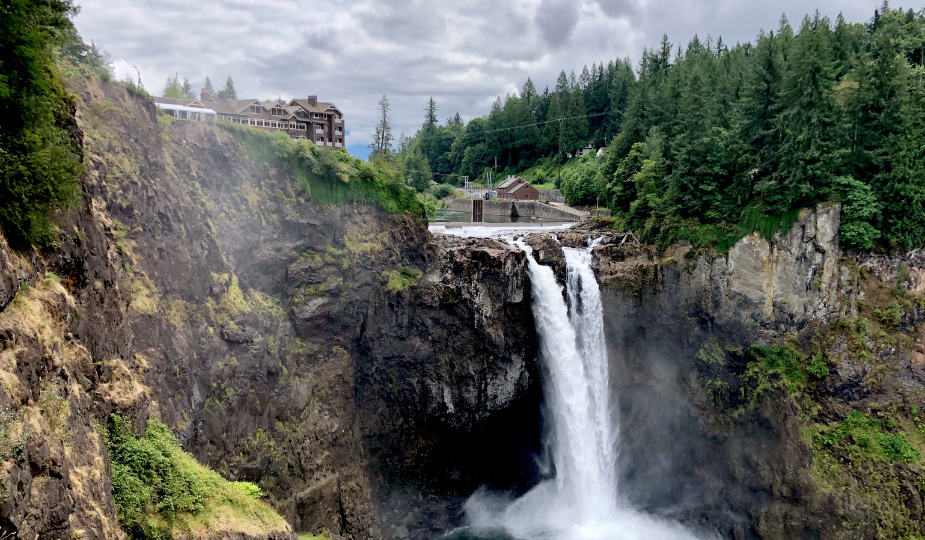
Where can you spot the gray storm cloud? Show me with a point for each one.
(556, 20)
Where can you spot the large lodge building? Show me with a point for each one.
(308, 118)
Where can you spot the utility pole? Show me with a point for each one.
(559, 181)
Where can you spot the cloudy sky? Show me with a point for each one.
(464, 53)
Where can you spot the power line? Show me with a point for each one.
(560, 119)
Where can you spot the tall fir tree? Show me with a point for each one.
(187, 89)
(230, 92)
(808, 125)
(382, 135)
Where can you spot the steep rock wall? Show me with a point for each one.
(285, 342)
(713, 437)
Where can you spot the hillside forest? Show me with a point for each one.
(708, 141)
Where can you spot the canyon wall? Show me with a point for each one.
(826, 443)
(328, 353)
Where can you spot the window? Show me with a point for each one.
(256, 108)
(303, 127)
(253, 122)
(320, 141)
(274, 124)
(301, 114)
(316, 115)
(276, 111)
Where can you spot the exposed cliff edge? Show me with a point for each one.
(327, 353)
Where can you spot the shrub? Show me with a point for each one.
(892, 315)
(784, 360)
(401, 280)
(818, 367)
(858, 210)
(862, 437)
(146, 476)
(442, 191)
(583, 184)
(250, 489)
(329, 177)
(39, 163)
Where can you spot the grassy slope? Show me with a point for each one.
(329, 177)
(226, 507)
(543, 175)
(160, 491)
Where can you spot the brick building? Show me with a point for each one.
(310, 119)
(517, 189)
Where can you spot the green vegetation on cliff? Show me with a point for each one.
(39, 157)
(327, 176)
(158, 489)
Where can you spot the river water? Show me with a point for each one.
(581, 498)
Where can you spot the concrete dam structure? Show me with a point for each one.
(519, 209)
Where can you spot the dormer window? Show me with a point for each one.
(255, 109)
(276, 111)
(301, 114)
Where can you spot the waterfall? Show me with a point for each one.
(582, 500)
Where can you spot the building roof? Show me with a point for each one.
(222, 106)
(510, 180)
(518, 186)
(239, 106)
(319, 107)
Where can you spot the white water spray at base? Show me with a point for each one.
(581, 502)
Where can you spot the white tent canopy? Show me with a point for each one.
(188, 113)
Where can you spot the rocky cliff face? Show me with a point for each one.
(778, 443)
(323, 352)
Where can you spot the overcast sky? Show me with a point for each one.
(464, 53)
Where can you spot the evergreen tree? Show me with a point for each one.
(619, 92)
(528, 91)
(698, 171)
(648, 209)
(902, 196)
(878, 109)
(584, 80)
(430, 114)
(230, 92)
(756, 140)
(173, 89)
(552, 129)
(575, 127)
(417, 170)
(208, 87)
(382, 136)
(187, 89)
(562, 85)
(808, 125)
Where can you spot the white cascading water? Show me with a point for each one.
(582, 501)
